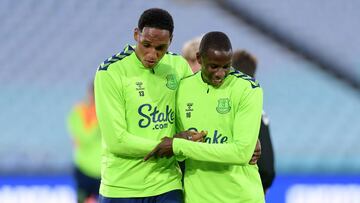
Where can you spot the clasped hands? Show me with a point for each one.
(164, 148)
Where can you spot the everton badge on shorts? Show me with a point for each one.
(223, 105)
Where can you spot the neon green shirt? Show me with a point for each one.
(84, 129)
(135, 107)
(218, 170)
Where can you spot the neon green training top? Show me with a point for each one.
(135, 107)
(218, 170)
(84, 129)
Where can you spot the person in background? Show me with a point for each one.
(84, 130)
(189, 50)
(247, 63)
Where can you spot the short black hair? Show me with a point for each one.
(244, 62)
(156, 18)
(214, 40)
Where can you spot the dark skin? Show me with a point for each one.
(215, 66)
(152, 45)
(164, 148)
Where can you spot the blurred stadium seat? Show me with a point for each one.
(326, 30)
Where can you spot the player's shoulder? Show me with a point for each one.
(177, 63)
(117, 58)
(188, 82)
(174, 58)
(189, 79)
(242, 79)
(77, 109)
(173, 54)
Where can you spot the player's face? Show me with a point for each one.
(215, 66)
(152, 44)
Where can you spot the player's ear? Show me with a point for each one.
(137, 34)
(198, 58)
(171, 37)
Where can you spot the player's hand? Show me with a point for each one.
(257, 153)
(191, 135)
(163, 149)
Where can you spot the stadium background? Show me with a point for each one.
(309, 67)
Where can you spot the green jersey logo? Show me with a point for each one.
(171, 82)
(223, 105)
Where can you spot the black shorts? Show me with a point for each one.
(86, 186)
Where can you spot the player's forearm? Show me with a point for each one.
(117, 139)
(128, 145)
(233, 153)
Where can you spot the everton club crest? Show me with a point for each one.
(223, 106)
(171, 82)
